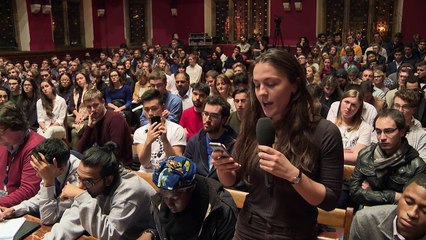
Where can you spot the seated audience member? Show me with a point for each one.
(330, 91)
(240, 97)
(239, 68)
(51, 112)
(403, 75)
(368, 75)
(368, 114)
(384, 168)
(157, 140)
(393, 66)
(56, 167)
(78, 120)
(103, 126)
(183, 90)
(215, 114)
(406, 102)
(368, 90)
(19, 180)
(356, 133)
(191, 119)
(4, 94)
(342, 78)
(193, 69)
(211, 79)
(406, 220)
(241, 80)
(189, 206)
(172, 103)
(28, 102)
(234, 58)
(379, 80)
(14, 83)
(118, 96)
(223, 88)
(109, 202)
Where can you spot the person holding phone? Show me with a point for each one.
(160, 139)
(304, 165)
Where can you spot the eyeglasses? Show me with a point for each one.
(386, 131)
(378, 76)
(153, 108)
(213, 116)
(3, 96)
(404, 107)
(88, 183)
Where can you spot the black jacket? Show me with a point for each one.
(220, 217)
(383, 189)
(196, 150)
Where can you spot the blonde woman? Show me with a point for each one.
(223, 87)
(356, 133)
(312, 75)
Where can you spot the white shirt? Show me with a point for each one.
(194, 73)
(175, 134)
(186, 99)
(369, 112)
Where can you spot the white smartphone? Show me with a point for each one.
(219, 147)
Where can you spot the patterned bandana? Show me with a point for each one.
(176, 173)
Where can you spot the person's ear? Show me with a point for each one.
(109, 180)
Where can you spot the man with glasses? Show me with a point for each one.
(383, 168)
(159, 139)
(173, 104)
(406, 101)
(109, 202)
(215, 114)
(19, 181)
(105, 125)
(56, 166)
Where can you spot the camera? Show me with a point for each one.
(277, 21)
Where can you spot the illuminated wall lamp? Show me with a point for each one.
(35, 8)
(286, 5)
(46, 9)
(298, 6)
(173, 8)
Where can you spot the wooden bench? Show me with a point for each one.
(338, 218)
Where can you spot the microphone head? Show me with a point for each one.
(265, 132)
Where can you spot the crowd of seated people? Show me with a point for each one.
(172, 102)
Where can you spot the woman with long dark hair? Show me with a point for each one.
(51, 111)
(28, 101)
(119, 95)
(78, 120)
(303, 168)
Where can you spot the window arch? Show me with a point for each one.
(235, 18)
(7, 26)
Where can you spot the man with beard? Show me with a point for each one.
(183, 90)
(215, 114)
(109, 202)
(191, 119)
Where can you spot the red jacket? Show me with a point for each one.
(23, 183)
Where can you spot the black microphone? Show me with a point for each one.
(265, 135)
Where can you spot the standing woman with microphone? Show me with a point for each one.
(301, 171)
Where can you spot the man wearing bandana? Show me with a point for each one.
(189, 206)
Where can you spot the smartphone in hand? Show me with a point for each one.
(219, 147)
(155, 119)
